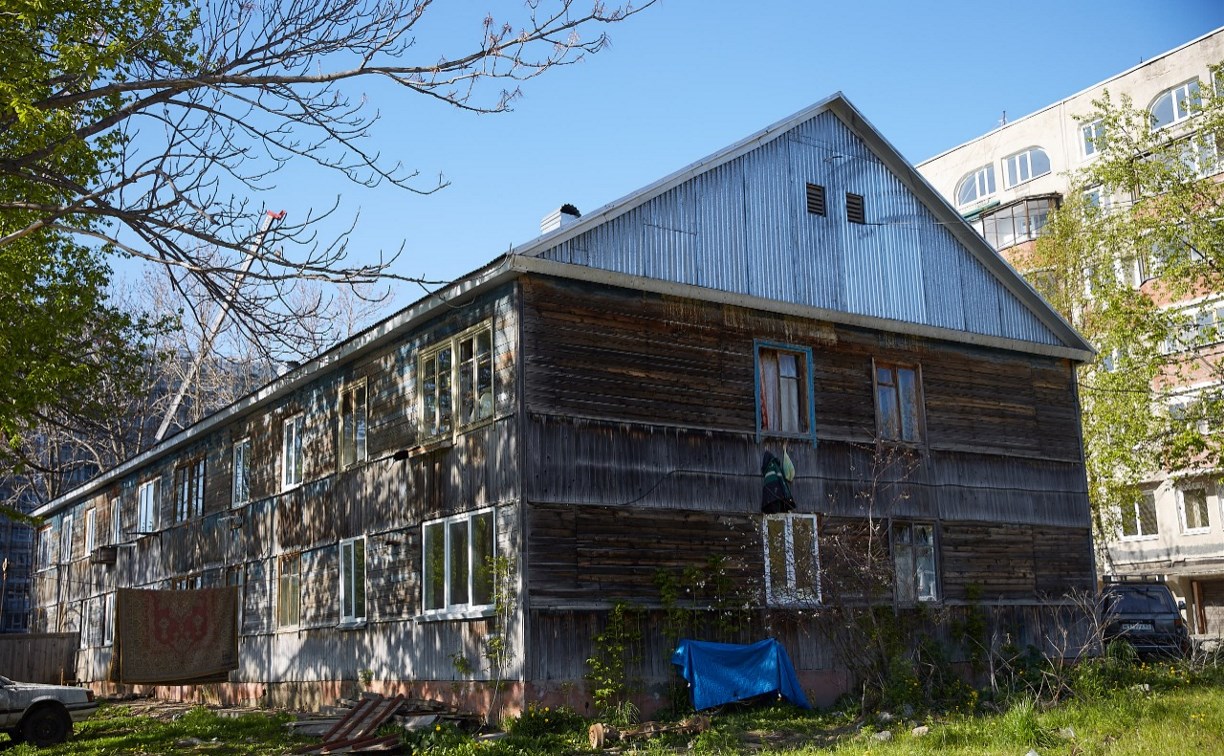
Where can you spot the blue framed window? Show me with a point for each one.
(785, 397)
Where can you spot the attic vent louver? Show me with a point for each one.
(856, 209)
(815, 199)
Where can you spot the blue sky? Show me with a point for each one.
(687, 77)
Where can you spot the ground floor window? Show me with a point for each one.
(458, 557)
(792, 559)
(913, 547)
(352, 580)
(289, 590)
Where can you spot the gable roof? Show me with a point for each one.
(918, 267)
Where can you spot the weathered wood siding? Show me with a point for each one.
(382, 498)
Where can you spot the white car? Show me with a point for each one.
(42, 714)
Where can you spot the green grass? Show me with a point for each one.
(115, 730)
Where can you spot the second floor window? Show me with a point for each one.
(784, 391)
(189, 490)
(116, 522)
(66, 540)
(352, 424)
(1093, 135)
(90, 534)
(457, 377)
(242, 472)
(146, 510)
(291, 451)
(898, 403)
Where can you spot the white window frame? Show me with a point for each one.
(240, 472)
(282, 595)
(911, 571)
(465, 411)
(293, 456)
(147, 506)
(352, 615)
(90, 528)
(108, 619)
(1138, 519)
(1098, 197)
(450, 605)
(65, 544)
(786, 592)
(1180, 99)
(354, 427)
(984, 186)
(1018, 167)
(1092, 138)
(1183, 514)
(116, 524)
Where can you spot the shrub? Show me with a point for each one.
(543, 720)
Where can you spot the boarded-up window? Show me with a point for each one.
(353, 424)
(898, 403)
(458, 562)
(792, 560)
(914, 558)
(289, 590)
(784, 391)
(237, 576)
(352, 580)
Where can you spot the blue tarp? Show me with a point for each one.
(719, 673)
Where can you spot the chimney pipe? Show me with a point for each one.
(559, 218)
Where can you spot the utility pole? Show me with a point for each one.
(214, 327)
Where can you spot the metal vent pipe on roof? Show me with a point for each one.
(559, 218)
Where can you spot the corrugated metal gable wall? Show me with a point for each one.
(743, 227)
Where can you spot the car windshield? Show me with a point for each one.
(1141, 601)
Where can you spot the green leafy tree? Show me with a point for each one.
(1139, 236)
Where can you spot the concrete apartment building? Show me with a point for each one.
(1005, 183)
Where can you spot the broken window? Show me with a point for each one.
(146, 510)
(353, 424)
(898, 403)
(913, 547)
(189, 490)
(352, 580)
(784, 391)
(1139, 516)
(792, 559)
(241, 488)
(458, 562)
(463, 384)
(289, 590)
(1195, 514)
(291, 451)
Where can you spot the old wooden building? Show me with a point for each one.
(593, 409)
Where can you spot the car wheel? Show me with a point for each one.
(46, 726)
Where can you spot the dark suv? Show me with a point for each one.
(1145, 615)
